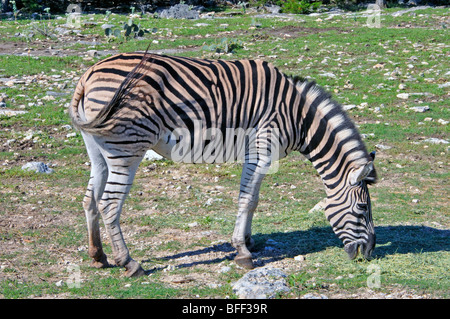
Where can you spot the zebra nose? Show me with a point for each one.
(370, 246)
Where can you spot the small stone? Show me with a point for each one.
(420, 109)
(37, 167)
(224, 269)
(415, 201)
(443, 122)
(49, 98)
(349, 107)
(194, 224)
(108, 25)
(151, 155)
(403, 96)
(383, 147)
(434, 140)
(92, 53)
(328, 75)
(261, 283)
(299, 258)
(314, 296)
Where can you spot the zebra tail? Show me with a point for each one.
(100, 125)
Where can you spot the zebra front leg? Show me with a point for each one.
(248, 201)
(120, 178)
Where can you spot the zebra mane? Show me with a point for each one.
(333, 120)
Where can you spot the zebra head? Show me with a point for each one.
(350, 214)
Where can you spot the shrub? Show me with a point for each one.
(299, 6)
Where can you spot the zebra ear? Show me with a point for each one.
(361, 173)
(372, 154)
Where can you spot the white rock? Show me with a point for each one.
(383, 147)
(224, 269)
(328, 75)
(403, 96)
(434, 140)
(12, 112)
(151, 155)
(261, 283)
(37, 167)
(348, 107)
(420, 109)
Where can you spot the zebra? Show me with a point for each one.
(129, 103)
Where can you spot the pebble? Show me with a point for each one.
(434, 140)
(224, 269)
(328, 75)
(12, 112)
(314, 296)
(37, 167)
(403, 96)
(420, 109)
(151, 155)
(383, 147)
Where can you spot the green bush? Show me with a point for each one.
(299, 6)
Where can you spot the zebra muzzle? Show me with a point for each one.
(352, 249)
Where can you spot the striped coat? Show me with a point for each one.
(197, 111)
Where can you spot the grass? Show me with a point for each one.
(178, 222)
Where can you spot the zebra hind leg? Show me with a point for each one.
(121, 171)
(99, 175)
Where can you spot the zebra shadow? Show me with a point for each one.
(276, 246)
(390, 240)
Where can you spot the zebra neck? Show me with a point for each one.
(329, 139)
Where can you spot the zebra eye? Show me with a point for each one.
(362, 207)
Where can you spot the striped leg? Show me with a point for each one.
(252, 176)
(121, 171)
(99, 175)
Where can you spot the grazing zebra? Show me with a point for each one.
(130, 103)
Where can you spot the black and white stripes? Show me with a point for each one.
(206, 111)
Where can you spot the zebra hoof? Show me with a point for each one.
(244, 262)
(102, 262)
(134, 269)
